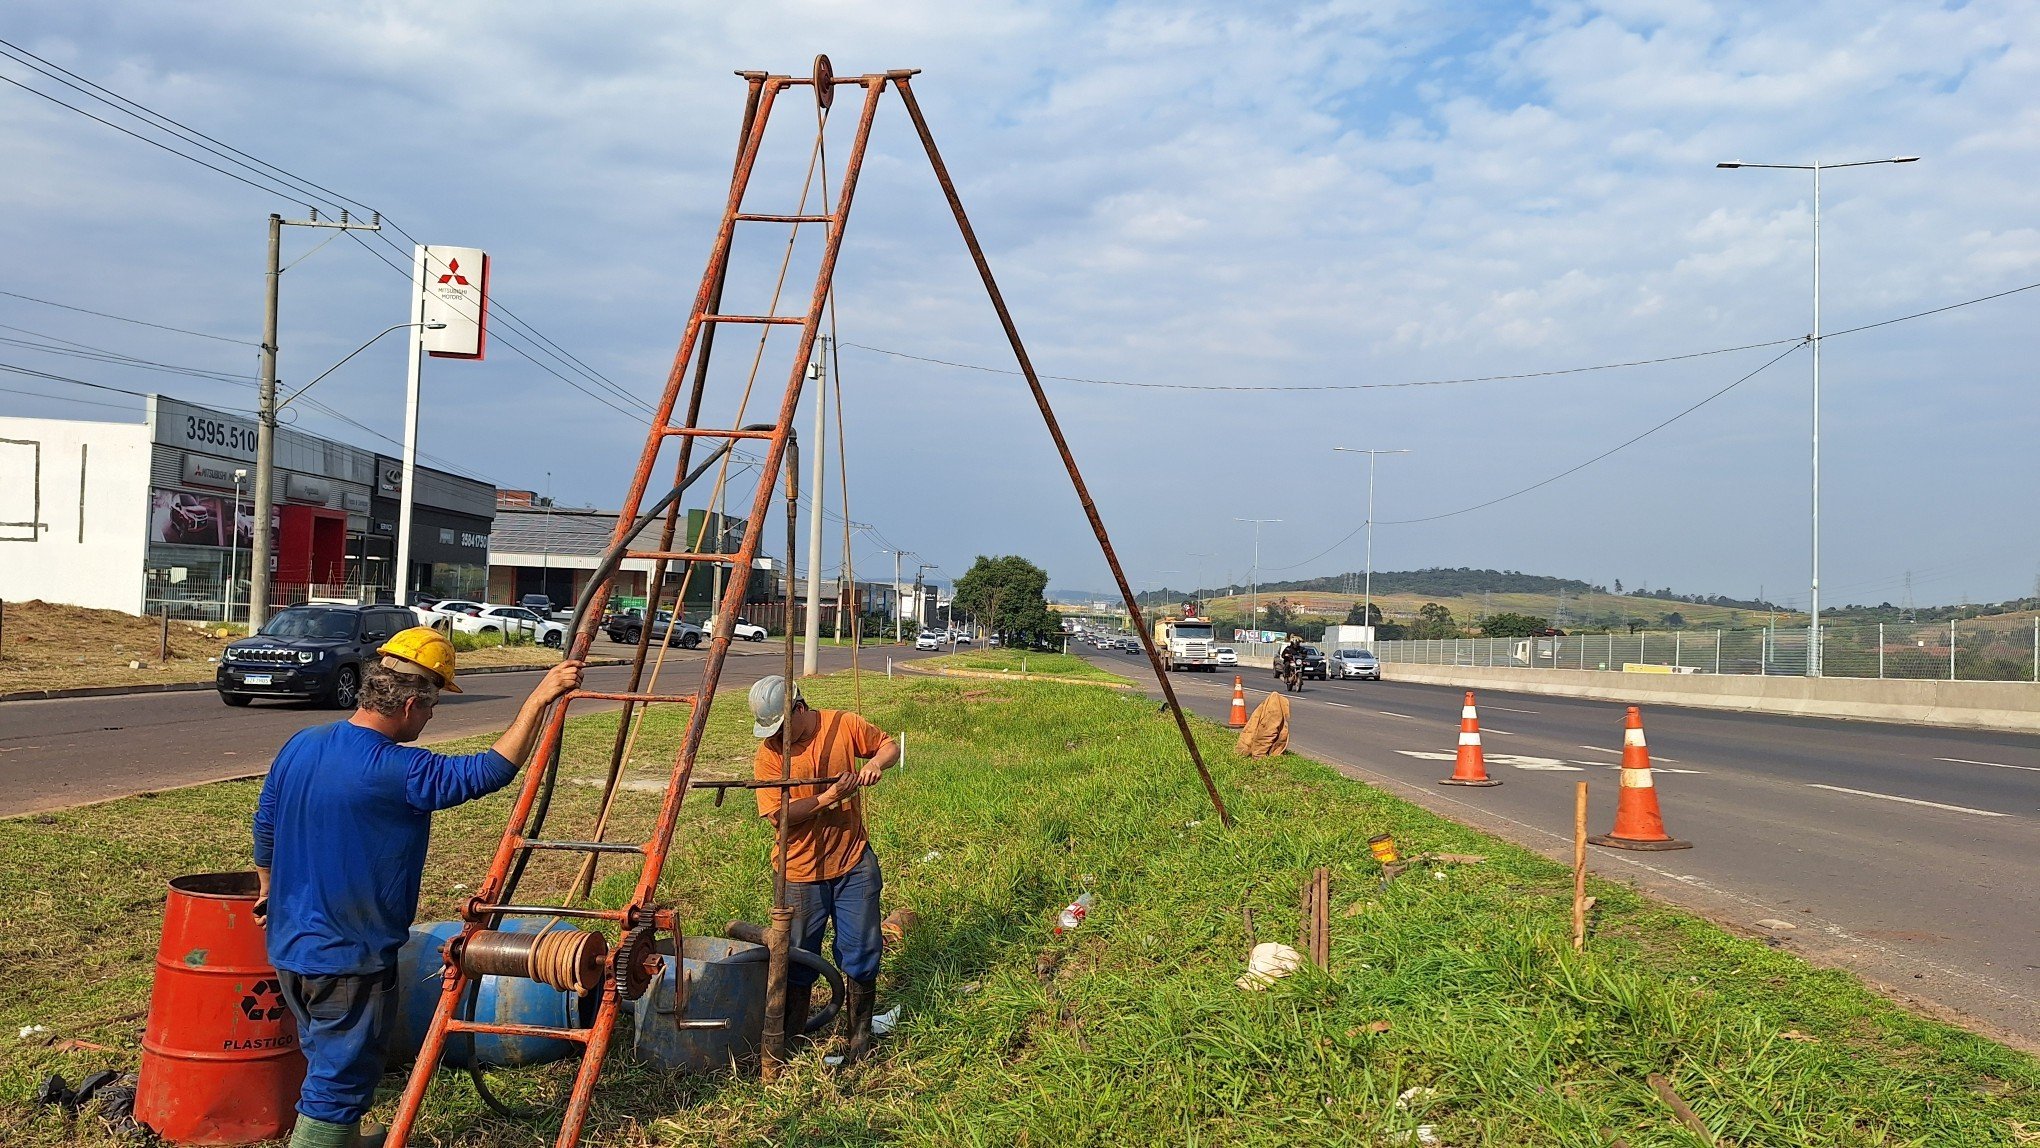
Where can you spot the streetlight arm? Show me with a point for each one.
(356, 351)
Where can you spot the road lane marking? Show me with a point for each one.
(1509, 709)
(1604, 749)
(1341, 705)
(1992, 764)
(1514, 760)
(1491, 729)
(1655, 768)
(1392, 713)
(1907, 800)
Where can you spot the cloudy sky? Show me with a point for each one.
(1344, 196)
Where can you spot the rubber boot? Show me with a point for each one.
(310, 1133)
(858, 999)
(367, 1135)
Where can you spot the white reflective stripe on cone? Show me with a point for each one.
(1632, 737)
(1469, 737)
(1467, 712)
(1637, 779)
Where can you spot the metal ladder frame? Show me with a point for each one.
(493, 900)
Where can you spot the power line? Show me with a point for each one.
(1337, 386)
(125, 319)
(1795, 342)
(1623, 445)
(66, 399)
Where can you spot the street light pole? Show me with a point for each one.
(1254, 615)
(1813, 633)
(1367, 592)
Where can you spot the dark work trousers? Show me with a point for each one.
(850, 902)
(344, 1022)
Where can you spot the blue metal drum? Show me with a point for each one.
(512, 1000)
(725, 981)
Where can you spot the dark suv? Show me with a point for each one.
(309, 652)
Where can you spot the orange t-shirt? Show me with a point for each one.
(828, 844)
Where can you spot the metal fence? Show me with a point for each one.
(1977, 649)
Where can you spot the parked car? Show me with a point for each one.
(1356, 664)
(540, 604)
(614, 622)
(311, 653)
(508, 621)
(1226, 656)
(441, 613)
(683, 633)
(928, 641)
(744, 630)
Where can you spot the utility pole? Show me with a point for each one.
(260, 554)
(1254, 611)
(810, 658)
(1367, 596)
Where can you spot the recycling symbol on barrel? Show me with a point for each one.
(263, 1002)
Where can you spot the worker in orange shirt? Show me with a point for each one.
(832, 874)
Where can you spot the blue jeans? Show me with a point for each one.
(343, 1022)
(851, 902)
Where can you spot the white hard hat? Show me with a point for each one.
(769, 704)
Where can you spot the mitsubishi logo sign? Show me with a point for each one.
(453, 288)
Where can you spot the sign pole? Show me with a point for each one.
(414, 359)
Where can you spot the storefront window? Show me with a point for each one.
(452, 580)
(191, 582)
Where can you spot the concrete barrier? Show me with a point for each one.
(2013, 706)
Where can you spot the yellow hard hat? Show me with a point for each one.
(424, 647)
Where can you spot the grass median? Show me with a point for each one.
(1459, 982)
(1033, 663)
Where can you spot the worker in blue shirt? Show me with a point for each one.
(340, 836)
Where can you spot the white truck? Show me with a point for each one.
(1187, 643)
(1348, 638)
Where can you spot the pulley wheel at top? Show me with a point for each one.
(825, 82)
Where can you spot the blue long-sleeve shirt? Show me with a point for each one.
(342, 825)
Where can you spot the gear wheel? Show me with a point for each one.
(635, 962)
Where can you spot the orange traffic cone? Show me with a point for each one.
(1638, 825)
(1470, 768)
(1238, 718)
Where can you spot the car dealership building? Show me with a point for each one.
(158, 516)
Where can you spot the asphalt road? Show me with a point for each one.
(72, 751)
(1904, 853)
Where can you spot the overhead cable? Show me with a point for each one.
(1623, 445)
(125, 319)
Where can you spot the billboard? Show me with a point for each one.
(454, 285)
(184, 518)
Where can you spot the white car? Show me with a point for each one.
(928, 641)
(1226, 656)
(743, 631)
(508, 620)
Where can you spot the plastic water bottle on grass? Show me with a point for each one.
(1073, 914)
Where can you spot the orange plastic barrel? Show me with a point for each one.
(220, 1059)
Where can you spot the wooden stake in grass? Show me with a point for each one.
(1579, 868)
(1685, 1114)
(163, 636)
(1314, 936)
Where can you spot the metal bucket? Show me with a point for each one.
(725, 982)
(510, 1000)
(220, 1059)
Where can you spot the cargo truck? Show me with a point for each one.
(1187, 643)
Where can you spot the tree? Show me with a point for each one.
(1434, 621)
(1370, 616)
(1513, 626)
(1618, 585)
(1007, 595)
(1278, 615)
(1672, 621)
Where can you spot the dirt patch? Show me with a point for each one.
(49, 646)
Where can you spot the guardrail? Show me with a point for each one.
(1975, 649)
